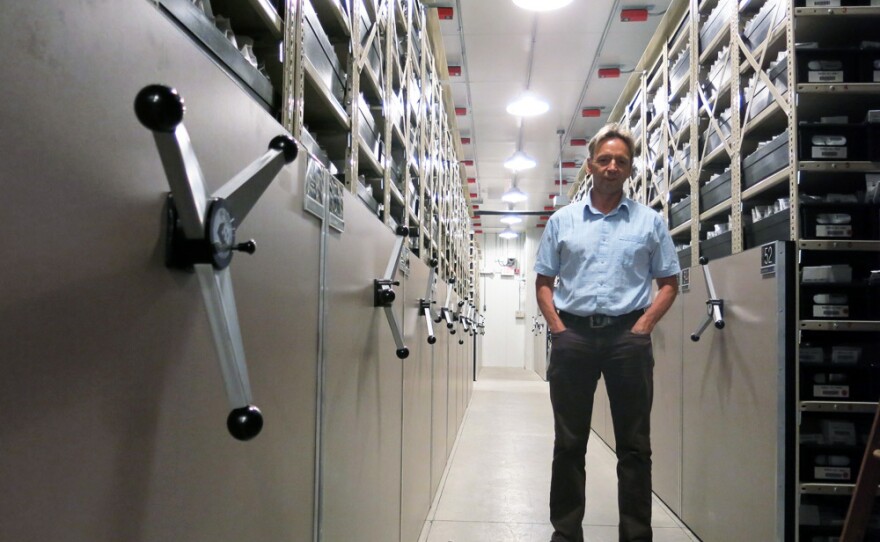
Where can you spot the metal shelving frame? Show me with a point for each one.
(427, 136)
(809, 23)
(652, 75)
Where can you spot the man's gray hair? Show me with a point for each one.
(610, 131)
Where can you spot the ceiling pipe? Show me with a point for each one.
(467, 83)
(615, 10)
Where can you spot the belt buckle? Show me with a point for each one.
(599, 320)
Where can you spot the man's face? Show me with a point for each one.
(611, 165)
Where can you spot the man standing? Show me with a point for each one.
(605, 250)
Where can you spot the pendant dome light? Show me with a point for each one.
(528, 105)
(520, 161)
(514, 195)
(508, 233)
(542, 5)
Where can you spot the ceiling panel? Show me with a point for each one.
(566, 46)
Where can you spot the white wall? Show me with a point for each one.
(533, 237)
(508, 341)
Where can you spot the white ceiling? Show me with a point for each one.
(568, 50)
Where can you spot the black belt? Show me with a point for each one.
(596, 321)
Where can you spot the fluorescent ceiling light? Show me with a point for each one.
(528, 105)
(541, 5)
(508, 233)
(511, 219)
(520, 161)
(514, 195)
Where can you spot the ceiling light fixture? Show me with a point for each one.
(508, 233)
(541, 5)
(520, 161)
(528, 105)
(511, 219)
(514, 195)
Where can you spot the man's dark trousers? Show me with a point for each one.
(578, 357)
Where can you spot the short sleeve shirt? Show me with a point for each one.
(605, 263)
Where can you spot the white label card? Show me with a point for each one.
(831, 311)
(825, 77)
(834, 231)
(836, 153)
(832, 473)
(840, 392)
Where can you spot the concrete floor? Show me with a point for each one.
(497, 483)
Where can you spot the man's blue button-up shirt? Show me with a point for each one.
(605, 263)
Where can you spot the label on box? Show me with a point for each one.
(825, 76)
(811, 354)
(834, 231)
(844, 355)
(832, 473)
(830, 311)
(831, 391)
(823, 3)
(830, 152)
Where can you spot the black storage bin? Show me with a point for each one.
(844, 221)
(716, 247)
(869, 65)
(367, 128)
(837, 382)
(322, 54)
(713, 25)
(831, 3)
(684, 258)
(680, 69)
(680, 212)
(715, 191)
(872, 141)
(835, 301)
(679, 118)
(827, 65)
(757, 29)
(834, 142)
(766, 160)
(712, 137)
(773, 228)
(763, 97)
(830, 464)
(374, 58)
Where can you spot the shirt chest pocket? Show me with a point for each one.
(634, 249)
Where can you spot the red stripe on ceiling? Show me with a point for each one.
(578, 142)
